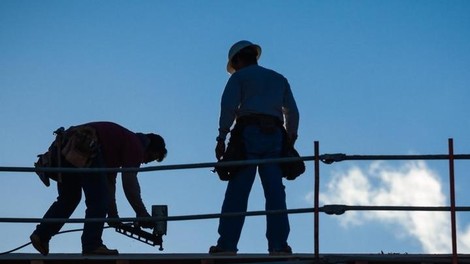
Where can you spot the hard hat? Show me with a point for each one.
(236, 48)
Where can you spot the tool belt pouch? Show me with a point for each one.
(293, 169)
(235, 151)
(81, 146)
(50, 159)
(46, 160)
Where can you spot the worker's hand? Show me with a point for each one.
(219, 149)
(113, 223)
(145, 224)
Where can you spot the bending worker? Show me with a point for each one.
(93, 145)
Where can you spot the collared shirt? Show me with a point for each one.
(257, 90)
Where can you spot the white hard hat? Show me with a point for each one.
(236, 48)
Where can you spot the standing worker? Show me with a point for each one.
(93, 145)
(259, 100)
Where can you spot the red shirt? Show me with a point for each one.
(120, 147)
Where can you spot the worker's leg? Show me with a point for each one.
(69, 190)
(96, 200)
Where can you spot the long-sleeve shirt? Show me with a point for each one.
(121, 148)
(257, 90)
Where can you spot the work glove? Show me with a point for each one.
(113, 223)
(145, 224)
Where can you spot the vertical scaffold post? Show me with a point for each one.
(452, 201)
(316, 203)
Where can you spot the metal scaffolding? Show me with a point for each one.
(318, 159)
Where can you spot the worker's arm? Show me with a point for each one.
(131, 187)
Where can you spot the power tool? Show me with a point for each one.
(159, 229)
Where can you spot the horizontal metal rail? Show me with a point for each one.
(168, 218)
(326, 158)
(332, 209)
(152, 168)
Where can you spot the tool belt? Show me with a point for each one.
(267, 123)
(81, 146)
(236, 149)
(77, 145)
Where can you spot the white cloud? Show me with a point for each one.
(411, 184)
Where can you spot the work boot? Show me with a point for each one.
(283, 252)
(41, 246)
(101, 250)
(215, 250)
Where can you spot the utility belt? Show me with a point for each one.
(76, 146)
(80, 145)
(267, 123)
(236, 149)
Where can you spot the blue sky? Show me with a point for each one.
(370, 77)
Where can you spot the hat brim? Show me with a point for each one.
(231, 70)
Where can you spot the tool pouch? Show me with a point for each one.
(235, 151)
(51, 159)
(293, 169)
(45, 161)
(81, 146)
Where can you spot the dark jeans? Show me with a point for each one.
(258, 145)
(94, 186)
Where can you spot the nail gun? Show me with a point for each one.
(159, 229)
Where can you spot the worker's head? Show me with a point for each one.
(155, 149)
(241, 54)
